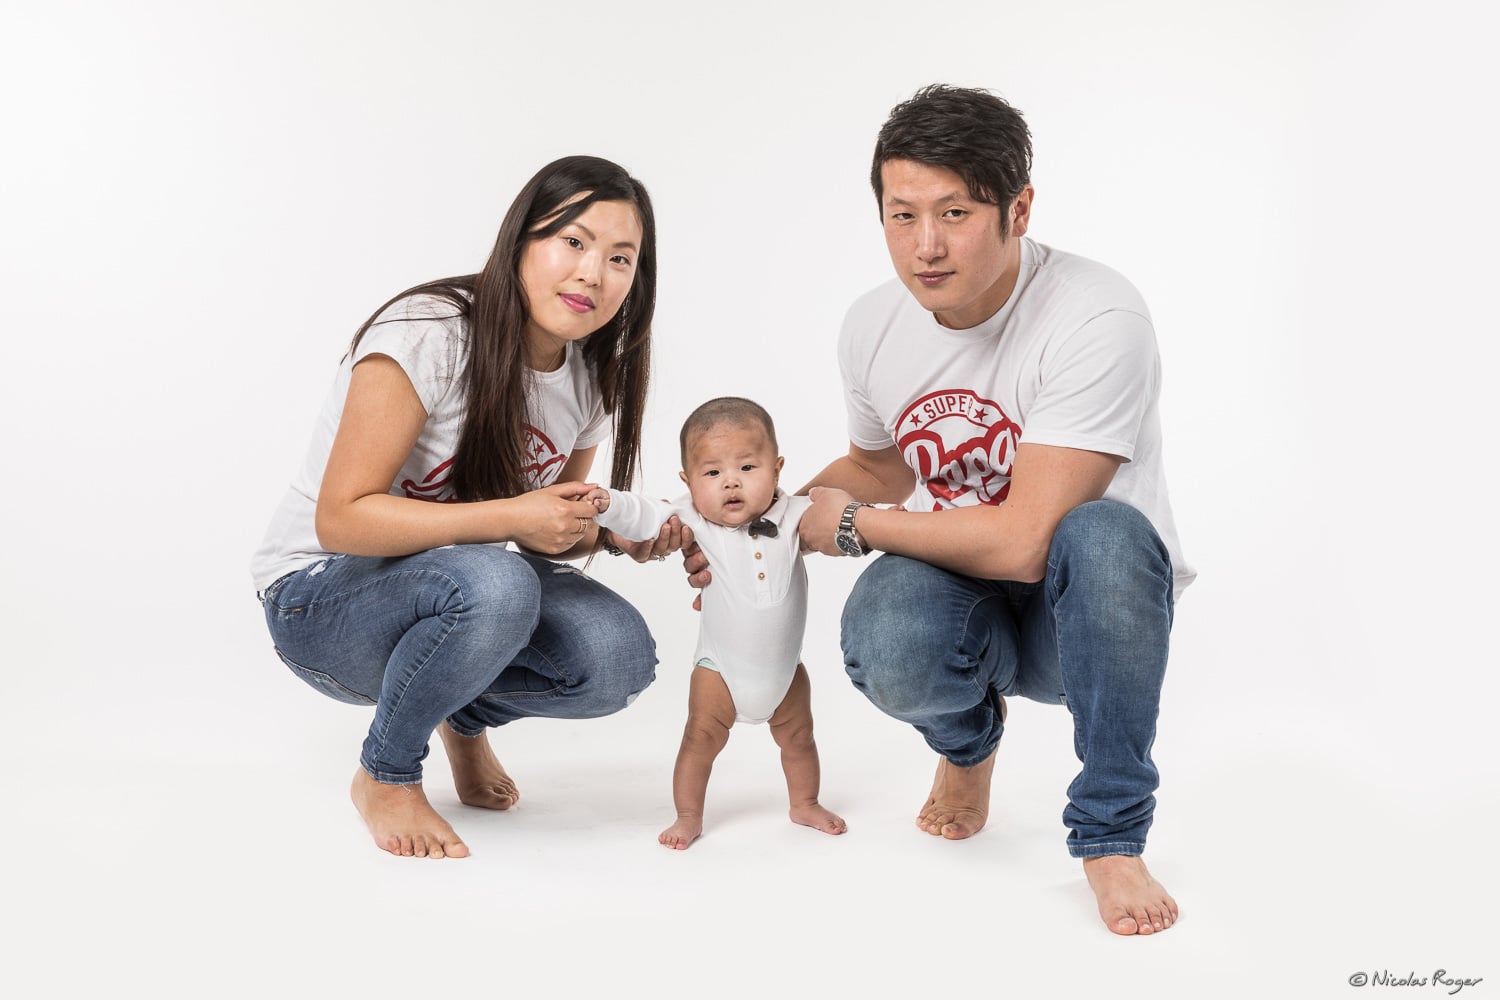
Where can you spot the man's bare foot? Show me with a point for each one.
(477, 775)
(401, 820)
(959, 803)
(681, 834)
(960, 799)
(1130, 900)
(818, 818)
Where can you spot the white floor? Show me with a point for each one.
(171, 838)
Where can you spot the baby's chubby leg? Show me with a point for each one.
(792, 727)
(710, 716)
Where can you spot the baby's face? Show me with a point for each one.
(732, 472)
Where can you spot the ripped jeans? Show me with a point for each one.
(474, 634)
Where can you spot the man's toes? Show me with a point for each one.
(1125, 924)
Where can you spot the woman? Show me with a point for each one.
(468, 412)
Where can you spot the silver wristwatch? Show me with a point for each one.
(847, 538)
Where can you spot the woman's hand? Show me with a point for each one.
(551, 520)
(674, 535)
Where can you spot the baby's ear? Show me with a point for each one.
(682, 475)
(780, 461)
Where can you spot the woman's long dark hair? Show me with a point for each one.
(492, 445)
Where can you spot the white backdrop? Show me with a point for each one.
(200, 202)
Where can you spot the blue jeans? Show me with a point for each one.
(474, 634)
(938, 650)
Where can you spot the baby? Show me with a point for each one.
(754, 609)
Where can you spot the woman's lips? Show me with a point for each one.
(577, 303)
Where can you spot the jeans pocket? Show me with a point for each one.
(325, 684)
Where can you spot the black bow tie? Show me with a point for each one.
(763, 526)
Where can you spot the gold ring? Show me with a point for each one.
(583, 525)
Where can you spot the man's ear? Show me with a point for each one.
(1020, 211)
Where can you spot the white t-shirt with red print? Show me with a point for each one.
(426, 337)
(1070, 360)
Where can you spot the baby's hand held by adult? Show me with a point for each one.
(552, 519)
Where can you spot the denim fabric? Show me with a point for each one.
(474, 634)
(938, 650)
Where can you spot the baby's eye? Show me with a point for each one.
(711, 473)
(746, 468)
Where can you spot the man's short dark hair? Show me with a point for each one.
(969, 131)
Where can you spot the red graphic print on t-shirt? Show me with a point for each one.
(545, 462)
(433, 485)
(961, 446)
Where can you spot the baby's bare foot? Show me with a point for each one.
(401, 820)
(681, 834)
(1130, 900)
(818, 818)
(960, 801)
(477, 775)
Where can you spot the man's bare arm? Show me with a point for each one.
(1008, 542)
(873, 476)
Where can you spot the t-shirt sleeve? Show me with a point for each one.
(425, 347)
(596, 429)
(866, 430)
(638, 517)
(1096, 386)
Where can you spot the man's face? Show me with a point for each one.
(946, 246)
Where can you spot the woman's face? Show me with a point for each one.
(576, 278)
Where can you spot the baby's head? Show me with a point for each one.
(729, 460)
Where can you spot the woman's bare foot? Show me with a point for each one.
(401, 820)
(818, 818)
(681, 834)
(477, 775)
(1130, 900)
(960, 800)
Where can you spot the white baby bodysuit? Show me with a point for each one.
(754, 608)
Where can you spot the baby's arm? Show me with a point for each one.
(637, 517)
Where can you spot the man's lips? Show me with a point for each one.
(577, 303)
(931, 278)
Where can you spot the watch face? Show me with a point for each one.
(848, 544)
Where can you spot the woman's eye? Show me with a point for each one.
(573, 242)
(621, 260)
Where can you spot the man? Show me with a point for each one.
(1038, 556)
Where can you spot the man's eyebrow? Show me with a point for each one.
(625, 244)
(954, 195)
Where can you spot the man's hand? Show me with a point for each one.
(821, 522)
(695, 565)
